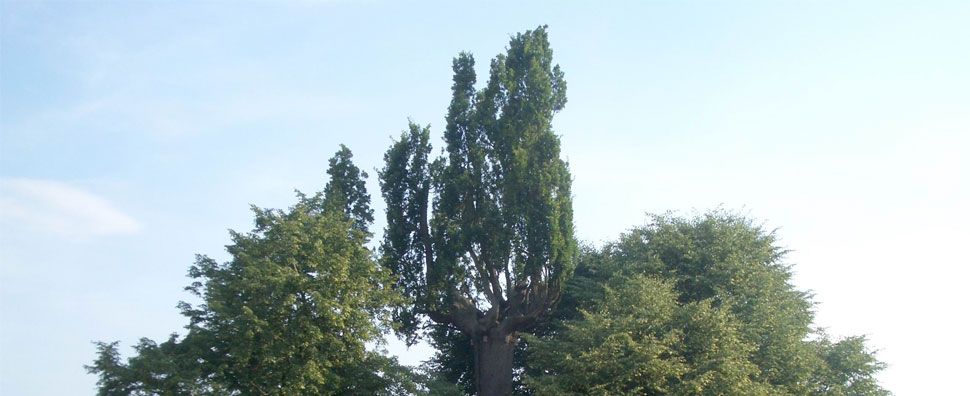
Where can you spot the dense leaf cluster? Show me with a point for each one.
(346, 193)
(289, 314)
(489, 224)
(696, 306)
(480, 241)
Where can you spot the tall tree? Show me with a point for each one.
(482, 238)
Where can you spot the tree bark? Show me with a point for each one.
(493, 363)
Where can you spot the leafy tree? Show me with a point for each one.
(848, 368)
(289, 313)
(738, 266)
(640, 341)
(693, 306)
(454, 357)
(479, 253)
(294, 306)
(346, 192)
(170, 368)
(482, 238)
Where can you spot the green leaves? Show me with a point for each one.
(640, 340)
(481, 239)
(500, 206)
(346, 193)
(294, 304)
(405, 186)
(289, 314)
(847, 368)
(693, 306)
(480, 249)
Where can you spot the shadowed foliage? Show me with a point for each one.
(481, 239)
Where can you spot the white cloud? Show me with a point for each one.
(59, 208)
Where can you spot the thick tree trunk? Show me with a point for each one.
(493, 363)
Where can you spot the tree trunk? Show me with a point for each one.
(493, 363)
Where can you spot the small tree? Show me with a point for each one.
(289, 313)
(482, 238)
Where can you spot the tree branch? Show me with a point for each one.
(464, 315)
(425, 234)
(492, 289)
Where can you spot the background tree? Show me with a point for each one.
(346, 193)
(494, 252)
(693, 306)
(847, 368)
(639, 340)
(175, 367)
(289, 313)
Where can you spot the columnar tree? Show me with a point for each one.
(482, 238)
(346, 193)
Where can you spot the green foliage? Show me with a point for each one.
(501, 223)
(454, 358)
(478, 251)
(289, 313)
(346, 192)
(294, 306)
(847, 368)
(697, 306)
(736, 264)
(405, 184)
(481, 239)
(171, 368)
(640, 341)
(437, 385)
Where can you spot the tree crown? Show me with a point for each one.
(483, 236)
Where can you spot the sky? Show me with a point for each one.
(134, 135)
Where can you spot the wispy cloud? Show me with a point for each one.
(60, 208)
(166, 118)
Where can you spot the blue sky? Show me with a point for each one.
(134, 134)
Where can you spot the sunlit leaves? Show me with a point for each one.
(693, 306)
(290, 313)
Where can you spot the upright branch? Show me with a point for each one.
(346, 192)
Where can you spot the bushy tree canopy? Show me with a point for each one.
(693, 306)
(479, 252)
(289, 313)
